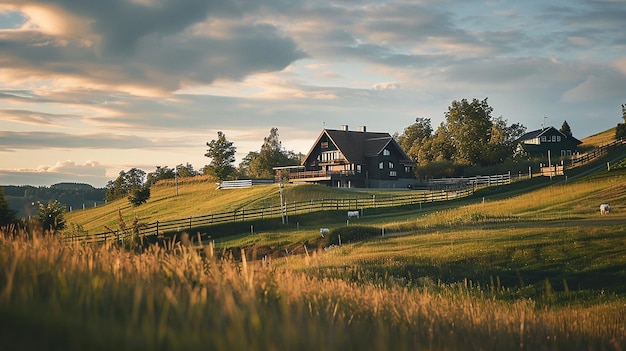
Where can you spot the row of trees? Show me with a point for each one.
(469, 136)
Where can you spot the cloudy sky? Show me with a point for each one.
(89, 88)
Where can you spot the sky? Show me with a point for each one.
(90, 88)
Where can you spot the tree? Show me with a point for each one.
(502, 143)
(139, 196)
(51, 215)
(7, 215)
(565, 129)
(125, 183)
(272, 154)
(186, 171)
(159, 174)
(222, 155)
(415, 137)
(469, 128)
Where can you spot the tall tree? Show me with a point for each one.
(222, 154)
(415, 137)
(469, 128)
(272, 154)
(565, 129)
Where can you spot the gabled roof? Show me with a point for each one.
(357, 145)
(550, 130)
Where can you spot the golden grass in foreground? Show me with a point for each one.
(54, 296)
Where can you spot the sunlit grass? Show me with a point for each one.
(89, 297)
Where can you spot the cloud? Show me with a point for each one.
(138, 48)
(10, 141)
(90, 172)
(31, 117)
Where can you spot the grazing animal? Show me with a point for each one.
(324, 231)
(605, 208)
(353, 214)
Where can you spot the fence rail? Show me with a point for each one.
(302, 207)
(582, 159)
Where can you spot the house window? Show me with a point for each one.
(390, 164)
(544, 139)
(554, 138)
(324, 145)
(407, 169)
(380, 165)
(392, 173)
(386, 152)
(558, 138)
(358, 168)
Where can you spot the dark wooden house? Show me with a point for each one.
(538, 142)
(345, 158)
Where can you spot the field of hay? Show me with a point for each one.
(538, 270)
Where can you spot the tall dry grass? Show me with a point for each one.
(71, 297)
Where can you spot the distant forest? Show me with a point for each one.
(74, 196)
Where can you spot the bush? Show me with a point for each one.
(139, 196)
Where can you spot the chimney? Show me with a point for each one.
(362, 129)
(344, 127)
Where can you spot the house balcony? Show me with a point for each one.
(317, 176)
(336, 161)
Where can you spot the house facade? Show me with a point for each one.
(362, 159)
(538, 142)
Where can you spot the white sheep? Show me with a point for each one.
(605, 208)
(353, 214)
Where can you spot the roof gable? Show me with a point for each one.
(357, 145)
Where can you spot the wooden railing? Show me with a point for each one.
(582, 159)
(287, 209)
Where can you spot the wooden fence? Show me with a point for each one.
(293, 208)
(582, 159)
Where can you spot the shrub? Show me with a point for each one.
(139, 196)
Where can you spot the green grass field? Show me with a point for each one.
(529, 266)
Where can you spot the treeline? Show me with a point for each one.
(469, 137)
(25, 199)
(135, 183)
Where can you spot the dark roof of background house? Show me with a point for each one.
(539, 132)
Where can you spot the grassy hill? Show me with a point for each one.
(528, 266)
(598, 139)
(539, 269)
(200, 197)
